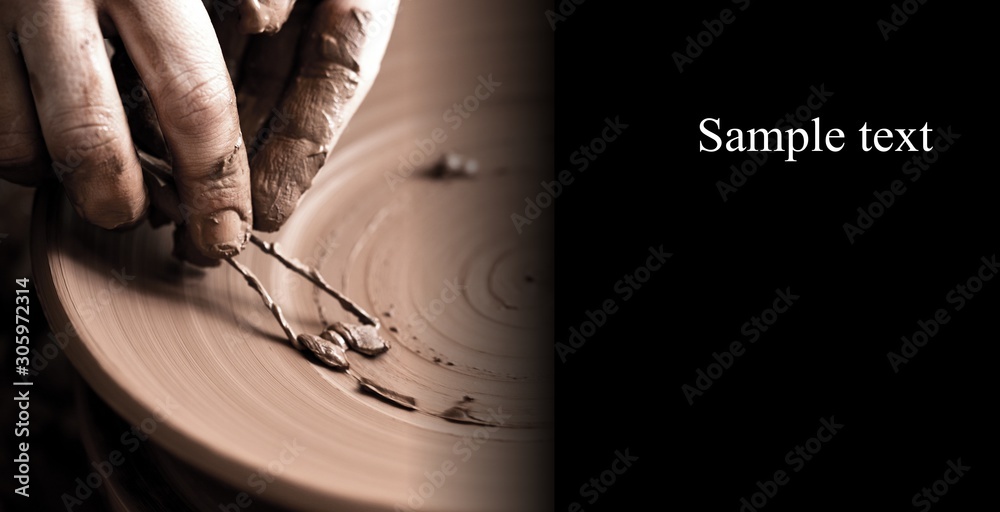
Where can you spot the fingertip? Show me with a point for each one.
(113, 212)
(269, 223)
(271, 214)
(283, 170)
(271, 210)
(267, 18)
(220, 234)
(185, 250)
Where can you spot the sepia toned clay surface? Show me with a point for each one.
(464, 299)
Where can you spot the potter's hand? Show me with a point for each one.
(298, 87)
(58, 99)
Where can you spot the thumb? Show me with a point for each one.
(340, 55)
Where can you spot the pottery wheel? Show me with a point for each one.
(464, 299)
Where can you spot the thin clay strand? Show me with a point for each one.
(316, 278)
(268, 301)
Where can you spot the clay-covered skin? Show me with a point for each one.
(59, 94)
(267, 62)
(22, 158)
(298, 86)
(188, 82)
(56, 96)
(62, 112)
(336, 64)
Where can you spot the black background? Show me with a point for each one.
(826, 356)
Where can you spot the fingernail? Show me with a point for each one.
(185, 250)
(220, 234)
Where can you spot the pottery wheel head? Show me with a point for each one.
(463, 294)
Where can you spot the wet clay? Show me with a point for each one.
(332, 354)
(316, 107)
(334, 338)
(362, 338)
(166, 207)
(386, 394)
(331, 347)
(317, 279)
(268, 301)
(445, 262)
(460, 413)
(268, 63)
(463, 412)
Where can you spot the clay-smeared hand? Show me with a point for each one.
(298, 86)
(61, 114)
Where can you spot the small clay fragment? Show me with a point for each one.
(406, 402)
(327, 351)
(338, 340)
(453, 165)
(462, 413)
(458, 414)
(471, 167)
(362, 338)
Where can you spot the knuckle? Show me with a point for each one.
(197, 103)
(82, 130)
